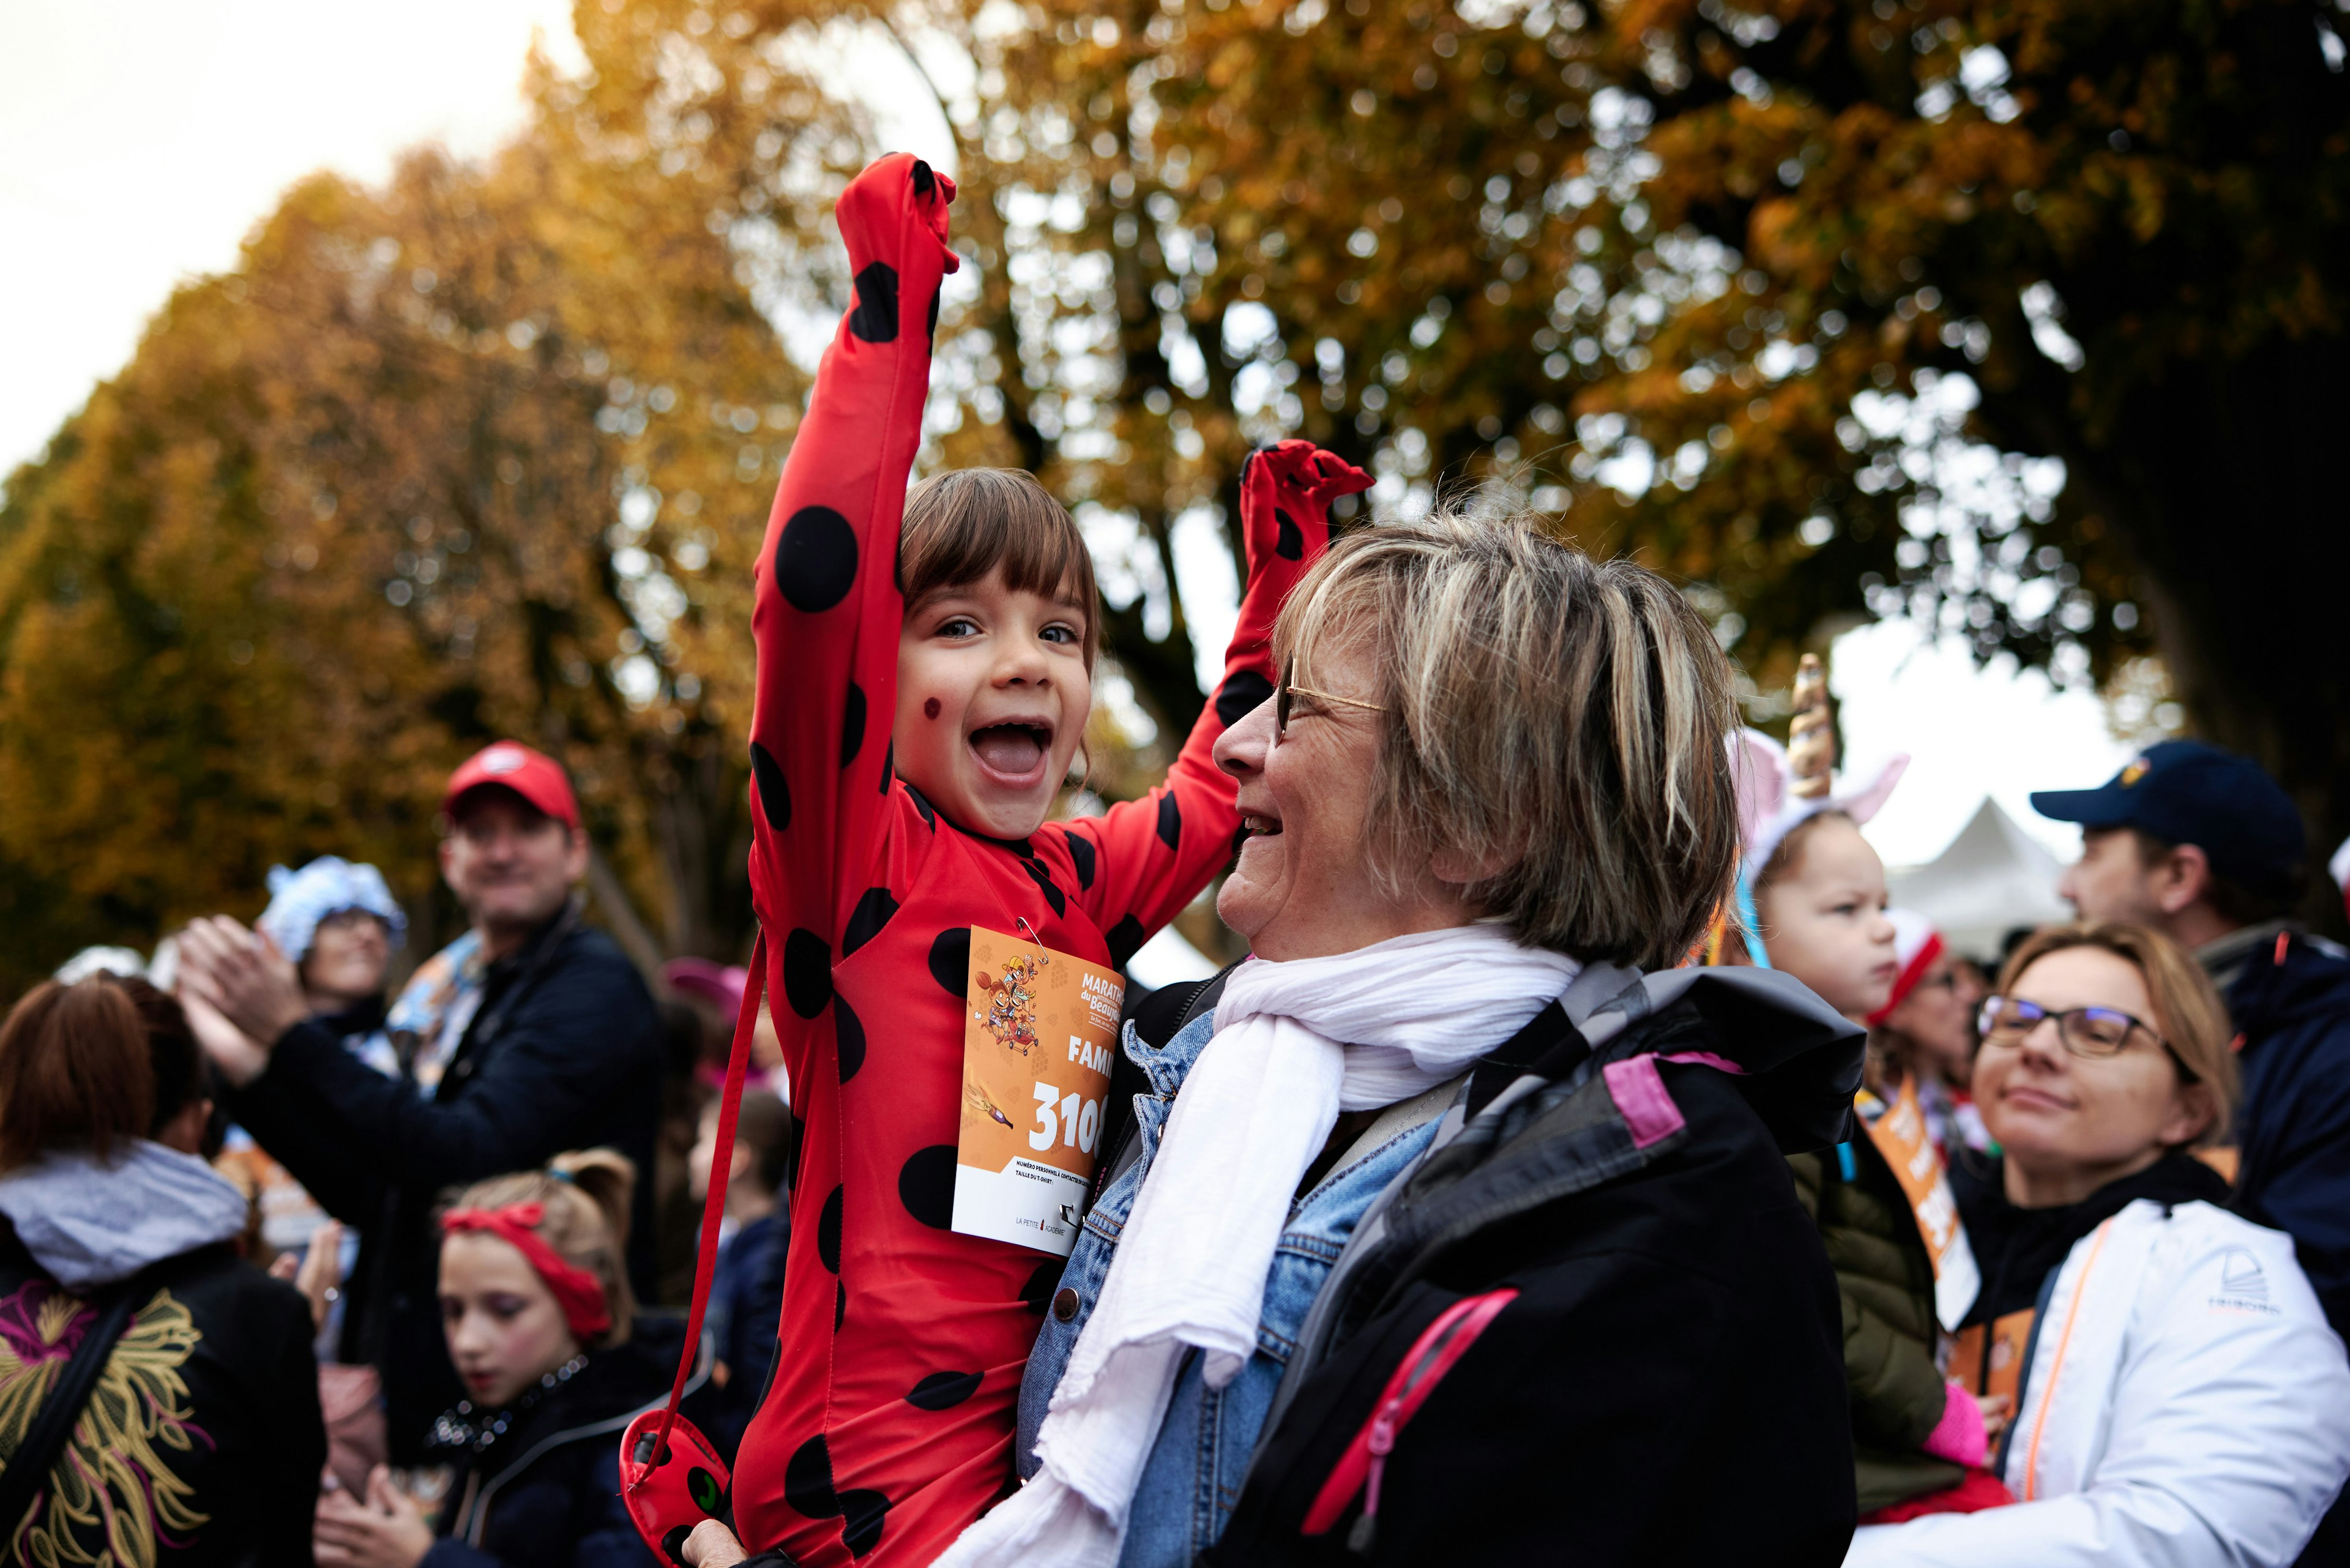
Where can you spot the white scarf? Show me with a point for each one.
(1296, 1044)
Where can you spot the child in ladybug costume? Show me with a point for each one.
(920, 701)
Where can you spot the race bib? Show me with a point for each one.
(1988, 1358)
(1899, 1134)
(1038, 1029)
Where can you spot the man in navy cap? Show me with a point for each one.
(2203, 845)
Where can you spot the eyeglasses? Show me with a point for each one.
(1282, 693)
(2094, 1033)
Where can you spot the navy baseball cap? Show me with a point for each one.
(2184, 792)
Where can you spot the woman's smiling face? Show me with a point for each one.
(2070, 1124)
(992, 694)
(1302, 887)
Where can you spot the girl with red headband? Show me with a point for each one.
(535, 1301)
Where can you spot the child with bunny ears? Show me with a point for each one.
(1816, 894)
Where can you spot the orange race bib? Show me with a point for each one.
(1038, 1029)
(1899, 1134)
(1988, 1358)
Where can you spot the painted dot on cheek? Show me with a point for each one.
(931, 709)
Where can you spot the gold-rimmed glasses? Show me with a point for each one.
(1282, 692)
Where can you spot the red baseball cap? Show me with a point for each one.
(533, 775)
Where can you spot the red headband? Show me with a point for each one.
(1907, 980)
(576, 1291)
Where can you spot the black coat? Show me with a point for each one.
(1668, 1385)
(217, 1350)
(575, 1062)
(2290, 1001)
(546, 1493)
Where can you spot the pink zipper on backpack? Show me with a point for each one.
(1359, 1470)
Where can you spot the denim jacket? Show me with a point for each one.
(1193, 1475)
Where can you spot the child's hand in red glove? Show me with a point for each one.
(1288, 489)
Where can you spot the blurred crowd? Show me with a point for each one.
(358, 1275)
(1542, 1204)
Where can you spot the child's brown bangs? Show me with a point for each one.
(965, 524)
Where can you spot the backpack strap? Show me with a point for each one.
(28, 1467)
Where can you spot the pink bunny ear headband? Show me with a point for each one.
(1768, 807)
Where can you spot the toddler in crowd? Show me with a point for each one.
(925, 669)
(536, 1303)
(1882, 1201)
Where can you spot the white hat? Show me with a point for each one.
(1916, 945)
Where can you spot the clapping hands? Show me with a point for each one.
(240, 994)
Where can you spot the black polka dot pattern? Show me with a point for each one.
(852, 723)
(807, 1479)
(862, 1514)
(1289, 542)
(1081, 856)
(875, 319)
(943, 1390)
(774, 793)
(888, 767)
(828, 1231)
(815, 559)
(1043, 880)
(923, 805)
(926, 1185)
(792, 1157)
(1170, 820)
(1123, 938)
(951, 960)
(1038, 1291)
(873, 910)
(848, 1037)
(924, 180)
(1243, 693)
(807, 971)
(839, 1305)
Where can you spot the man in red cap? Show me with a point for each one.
(528, 1035)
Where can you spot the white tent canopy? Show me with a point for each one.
(1993, 877)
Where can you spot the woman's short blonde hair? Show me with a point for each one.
(2187, 1012)
(1559, 719)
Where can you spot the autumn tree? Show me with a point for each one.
(2012, 319)
(2021, 320)
(483, 454)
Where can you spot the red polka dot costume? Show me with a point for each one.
(888, 1426)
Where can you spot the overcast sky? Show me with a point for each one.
(140, 140)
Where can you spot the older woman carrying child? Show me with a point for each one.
(925, 671)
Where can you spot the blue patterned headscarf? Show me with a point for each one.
(298, 900)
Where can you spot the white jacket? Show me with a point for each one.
(2185, 1405)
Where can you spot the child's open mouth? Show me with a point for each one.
(1012, 753)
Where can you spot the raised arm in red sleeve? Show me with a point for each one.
(828, 610)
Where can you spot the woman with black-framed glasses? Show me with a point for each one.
(2178, 1397)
